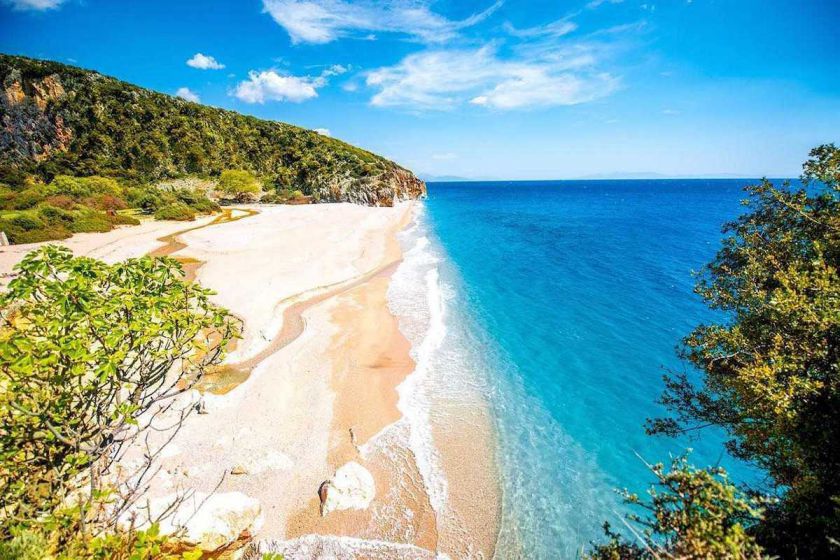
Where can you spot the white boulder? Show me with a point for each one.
(207, 522)
(352, 487)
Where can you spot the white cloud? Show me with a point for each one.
(204, 62)
(322, 21)
(323, 131)
(268, 85)
(445, 78)
(535, 87)
(188, 94)
(555, 29)
(38, 5)
(595, 3)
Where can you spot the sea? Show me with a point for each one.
(561, 303)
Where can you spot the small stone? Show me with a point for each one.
(238, 469)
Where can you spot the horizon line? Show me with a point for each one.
(684, 178)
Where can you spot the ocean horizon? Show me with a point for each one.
(565, 301)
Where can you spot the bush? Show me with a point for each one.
(26, 222)
(19, 236)
(177, 211)
(124, 220)
(107, 202)
(271, 198)
(90, 222)
(83, 187)
(61, 201)
(25, 200)
(196, 200)
(52, 214)
(146, 200)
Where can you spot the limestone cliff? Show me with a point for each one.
(62, 119)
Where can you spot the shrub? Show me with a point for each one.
(271, 198)
(177, 211)
(61, 201)
(27, 199)
(144, 199)
(124, 220)
(51, 214)
(27, 222)
(83, 187)
(20, 236)
(107, 202)
(196, 200)
(91, 221)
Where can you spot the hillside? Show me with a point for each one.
(59, 119)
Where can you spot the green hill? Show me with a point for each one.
(63, 120)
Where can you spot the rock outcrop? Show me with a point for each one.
(385, 189)
(29, 130)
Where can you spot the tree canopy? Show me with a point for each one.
(770, 372)
(239, 183)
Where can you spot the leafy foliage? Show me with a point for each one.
(90, 355)
(691, 514)
(772, 370)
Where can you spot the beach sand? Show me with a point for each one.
(313, 383)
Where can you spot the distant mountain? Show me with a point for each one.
(444, 178)
(60, 119)
(652, 175)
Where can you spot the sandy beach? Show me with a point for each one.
(314, 385)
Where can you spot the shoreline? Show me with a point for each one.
(318, 381)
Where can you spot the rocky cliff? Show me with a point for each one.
(59, 119)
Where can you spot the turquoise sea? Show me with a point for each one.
(564, 302)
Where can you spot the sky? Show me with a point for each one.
(485, 89)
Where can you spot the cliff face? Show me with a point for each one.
(28, 130)
(62, 119)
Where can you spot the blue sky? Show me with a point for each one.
(485, 89)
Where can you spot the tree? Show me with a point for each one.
(692, 514)
(91, 355)
(772, 364)
(239, 184)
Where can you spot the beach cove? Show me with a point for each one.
(321, 378)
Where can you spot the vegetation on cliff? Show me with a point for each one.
(63, 120)
(771, 380)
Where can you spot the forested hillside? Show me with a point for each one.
(63, 120)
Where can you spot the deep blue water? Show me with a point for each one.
(576, 294)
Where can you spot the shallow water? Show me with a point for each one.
(563, 302)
